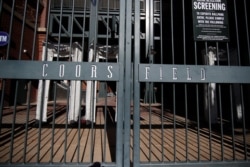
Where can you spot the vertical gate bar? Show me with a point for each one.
(221, 123)
(30, 83)
(210, 131)
(71, 27)
(45, 58)
(209, 114)
(220, 106)
(197, 107)
(17, 82)
(57, 59)
(237, 31)
(136, 113)
(104, 147)
(231, 109)
(79, 130)
(198, 121)
(173, 62)
(35, 32)
(13, 124)
(243, 123)
(162, 85)
(106, 90)
(248, 51)
(127, 93)
(186, 120)
(7, 57)
(151, 60)
(149, 44)
(53, 126)
(67, 109)
(60, 29)
(10, 28)
(66, 127)
(174, 122)
(185, 85)
(150, 122)
(93, 22)
(147, 12)
(22, 31)
(239, 60)
(219, 86)
(148, 84)
(17, 85)
(92, 131)
(120, 98)
(247, 30)
(83, 25)
(82, 54)
(47, 28)
(232, 121)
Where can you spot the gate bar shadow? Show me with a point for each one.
(97, 143)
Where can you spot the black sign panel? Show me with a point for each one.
(210, 20)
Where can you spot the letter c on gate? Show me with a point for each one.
(44, 74)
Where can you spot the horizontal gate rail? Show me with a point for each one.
(58, 70)
(193, 73)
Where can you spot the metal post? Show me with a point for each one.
(149, 90)
(136, 99)
(120, 88)
(127, 82)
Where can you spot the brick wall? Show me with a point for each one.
(18, 44)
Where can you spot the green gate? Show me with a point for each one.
(124, 83)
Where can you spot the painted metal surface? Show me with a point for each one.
(160, 115)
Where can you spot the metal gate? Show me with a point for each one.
(124, 83)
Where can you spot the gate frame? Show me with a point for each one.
(123, 129)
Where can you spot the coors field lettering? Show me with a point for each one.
(78, 71)
(44, 74)
(188, 74)
(93, 71)
(110, 75)
(147, 72)
(203, 74)
(178, 73)
(61, 70)
(174, 74)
